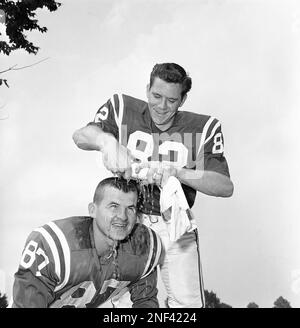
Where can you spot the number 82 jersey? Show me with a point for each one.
(194, 141)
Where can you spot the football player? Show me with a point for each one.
(87, 261)
(170, 142)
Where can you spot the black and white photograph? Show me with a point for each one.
(149, 154)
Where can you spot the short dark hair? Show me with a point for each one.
(119, 183)
(172, 73)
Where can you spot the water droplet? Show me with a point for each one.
(152, 199)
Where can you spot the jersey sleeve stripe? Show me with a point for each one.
(157, 252)
(116, 104)
(53, 249)
(150, 252)
(118, 107)
(59, 250)
(121, 112)
(217, 125)
(154, 250)
(113, 104)
(203, 137)
(157, 248)
(66, 253)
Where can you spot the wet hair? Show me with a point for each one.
(172, 73)
(118, 183)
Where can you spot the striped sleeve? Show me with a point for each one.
(144, 291)
(155, 253)
(64, 254)
(110, 116)
(210, 155)
(44, 267)
(211, 131)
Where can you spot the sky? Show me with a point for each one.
(244, 60)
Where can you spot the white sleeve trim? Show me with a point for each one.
(66, 253)
(218, 124)
(53, 249)
(150, 252)
(204, 132)
(118, 118)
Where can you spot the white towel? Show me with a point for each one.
(175, 209)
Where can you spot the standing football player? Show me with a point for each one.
(169, 142)
(85, 261)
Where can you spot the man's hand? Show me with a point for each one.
(117, 158)
(158, 173)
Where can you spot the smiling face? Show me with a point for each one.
(114, 214)
(164, 100)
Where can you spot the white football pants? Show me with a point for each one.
(181, 270)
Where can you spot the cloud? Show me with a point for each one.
(117, 15)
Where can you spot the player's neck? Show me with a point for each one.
(165, 127)
(104, 249)
(104, 245)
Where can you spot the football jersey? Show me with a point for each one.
(194, 141)
(60, 267)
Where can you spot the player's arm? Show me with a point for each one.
(102, 132)
(36, 278)
(144, 292)
(102, 135)
(211, 175)
(92, 137)
(30, 292)
(208, 182)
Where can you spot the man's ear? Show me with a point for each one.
(183, 100)
(92, 210)
(148, 90)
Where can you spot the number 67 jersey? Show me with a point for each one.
(193, 141)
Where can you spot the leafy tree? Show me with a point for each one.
(212, 301)
(252, 305)
(20, 17)
(281, 303)
(224, 305)
(3, 301)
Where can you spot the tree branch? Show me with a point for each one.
(12, 68)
